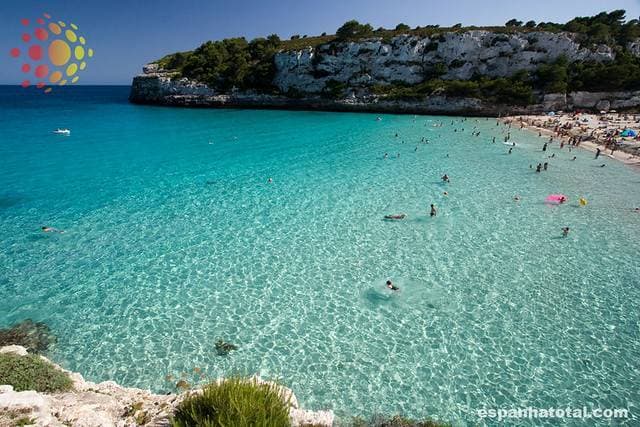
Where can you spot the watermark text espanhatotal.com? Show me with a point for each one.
(568, 412)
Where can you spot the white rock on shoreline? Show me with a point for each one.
(109, 404)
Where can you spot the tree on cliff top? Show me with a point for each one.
(402, 27)
(513, 23)
(353, 30)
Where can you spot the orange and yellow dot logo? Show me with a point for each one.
(53, 53)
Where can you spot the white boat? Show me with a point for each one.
(62, 132)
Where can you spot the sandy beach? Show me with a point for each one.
(593, 131)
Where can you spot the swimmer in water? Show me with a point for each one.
(510, 150)
(433, 211)
(445, 178)
(51, 230)
(516, 198)
(565, 231)
(396, 216)
(270, 180)
(392, 286)
(574, 157)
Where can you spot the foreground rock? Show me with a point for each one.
(108, 404)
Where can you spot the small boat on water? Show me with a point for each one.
(62, 132)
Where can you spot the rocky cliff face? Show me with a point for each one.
(408, 59)
(404, 59)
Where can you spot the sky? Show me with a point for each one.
(126, 34)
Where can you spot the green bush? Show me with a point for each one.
(31, 372)
(353, 30)
(234, 402)
(334, 89)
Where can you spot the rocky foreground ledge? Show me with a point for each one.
(109, 404)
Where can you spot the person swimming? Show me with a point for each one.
(545, 166)
(270, 180)
(51, 230)
(539, 167)
(565, 231)
(392, 286)
(516, 198)
(445, 178)
(574, 157)
(510, 150)
(433, 210)
(396, 216)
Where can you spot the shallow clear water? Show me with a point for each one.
(172, 243)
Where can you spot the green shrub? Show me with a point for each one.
(353, 30)
(31, 372)
(234, 402)
(334, 89)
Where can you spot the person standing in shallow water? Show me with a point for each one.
(597, 152)
(565, 231)
(433, 210)
(544, 147)
(539, 167)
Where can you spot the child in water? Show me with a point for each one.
(392, 286)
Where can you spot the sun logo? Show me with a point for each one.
(54, 53)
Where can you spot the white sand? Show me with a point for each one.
(593, 128)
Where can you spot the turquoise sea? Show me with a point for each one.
(173, 242)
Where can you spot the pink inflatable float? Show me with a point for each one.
(556, 199)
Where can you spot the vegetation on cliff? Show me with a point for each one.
(234, 401)
(237, 63)
(31, 372)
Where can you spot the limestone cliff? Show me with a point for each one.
(407, 58)
(302, 76)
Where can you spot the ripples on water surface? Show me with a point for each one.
(173, 242)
